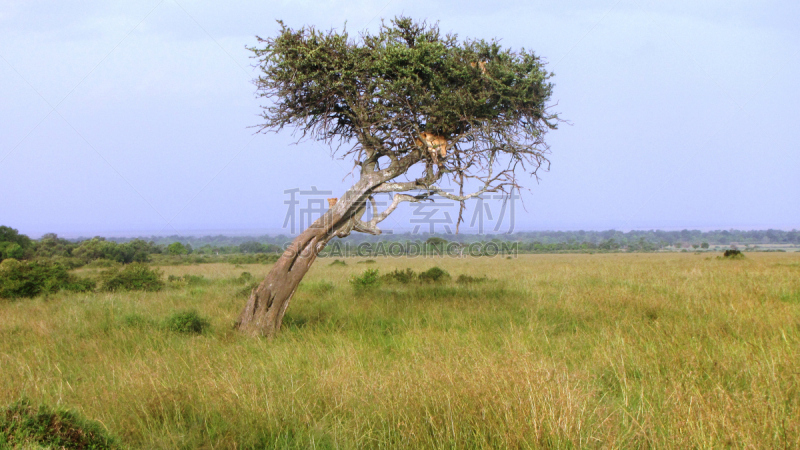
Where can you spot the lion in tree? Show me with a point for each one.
(435, 145)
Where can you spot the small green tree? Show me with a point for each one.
(415, 110)
(13, 250)
(176, 248)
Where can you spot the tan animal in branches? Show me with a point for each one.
(332, 202)
(481, 64)
(436, 145)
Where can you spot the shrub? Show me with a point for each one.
(369, 279)
(337, 262)
(195, 280)
(102, 263)
(23, 426)
(466, 279)
(257, 258)
(31, 278)
(367, 261)
(246, 276)
(733, 254)
(434, 275)
(176, 248)
(13, 250)
(187, 322)
(134, 277)
(189, 280)
(400, 276)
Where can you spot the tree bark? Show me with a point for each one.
(263, 314)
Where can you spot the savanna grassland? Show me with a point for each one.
(609, 350)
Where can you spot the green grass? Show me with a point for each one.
(615, 350)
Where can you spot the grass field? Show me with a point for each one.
(614, 350)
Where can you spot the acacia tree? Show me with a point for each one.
(374, 100)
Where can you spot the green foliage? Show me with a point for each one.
(188, 280)
(187, 322)
(367, 261)
(102, 263)
(245, 277)
(13, 244)
(319, 79)
(31, 278)
(69, 262)
(176, 248)
(96, 248)
(12, 250)
(337, 262)
(257, 247)
(24, 426)
(369, 279)
(733, 254)
(467, 279)
(8, 234)
(400, 276)
(258, 258)
(133, 277)
(434, 275)
(51, 245)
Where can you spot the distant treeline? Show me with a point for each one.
(623, 239)
(244, 249)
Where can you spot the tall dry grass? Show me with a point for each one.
(662, 350)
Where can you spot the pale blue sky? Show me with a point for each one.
(132, 117)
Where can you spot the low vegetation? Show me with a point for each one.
(31, 278)
(606, 350)
(187, 322)
(133, 277)
(24, 426)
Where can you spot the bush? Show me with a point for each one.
(23, 426)
(400, 276)
(176, 248)
(189, 280)
(733, 254)
(31, 278)
(69, 262)
(187, 322)
(368, 261)
(134, 277)
(466, 279)
(13, 250)
(369, 279)
(245, 277)
(337, 262)
(256, 258)
(102, 263)
(434, 275)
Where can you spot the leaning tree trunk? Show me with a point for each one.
(263, 314)
(264, 311)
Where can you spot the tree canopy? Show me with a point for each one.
(372, 97)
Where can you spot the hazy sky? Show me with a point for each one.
(132, 117)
